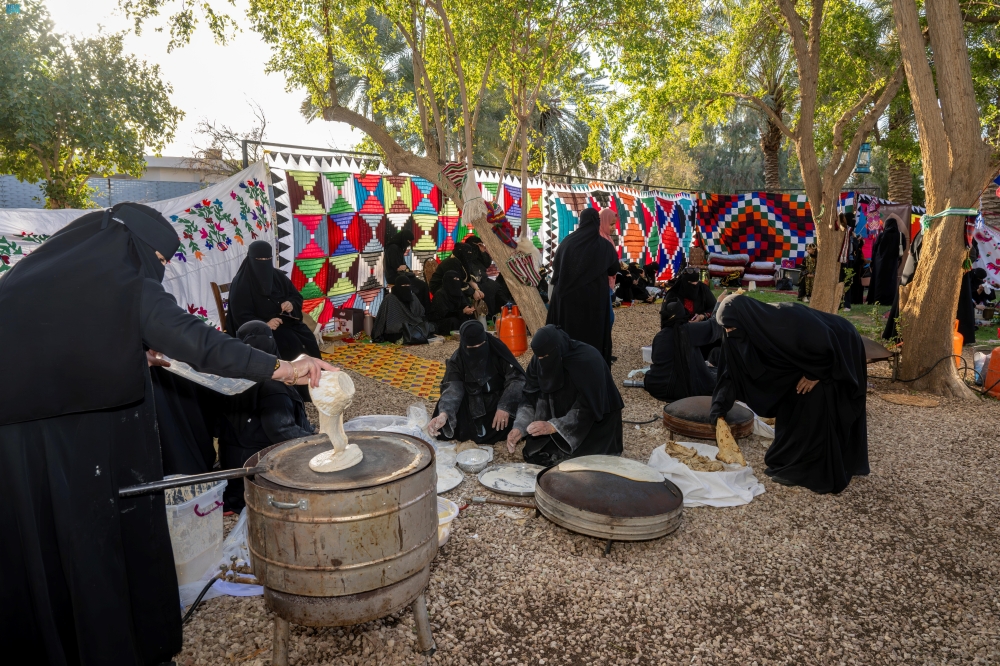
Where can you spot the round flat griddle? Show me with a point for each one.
(608, 506)
(387, 456)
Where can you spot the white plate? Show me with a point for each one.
(449, 478)
(511, 478)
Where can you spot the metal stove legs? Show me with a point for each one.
(425, 641)
(279, 649)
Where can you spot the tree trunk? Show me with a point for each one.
(900, 181)
(770, 142)
(956, 164)
(826, 293)
(990, 205)
(900, 178)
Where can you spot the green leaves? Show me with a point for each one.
(72, 108)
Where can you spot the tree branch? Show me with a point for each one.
(420, 66)
(763, 106)
(892, 86)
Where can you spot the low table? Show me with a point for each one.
(690, 418)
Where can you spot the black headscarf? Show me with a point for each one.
(403, 238)
(91, 272)
(260, 260)
(673, 315)
(258, 335)
(584, 255)
(569, 364)
(686, 285)
(475, 359)
(401, 289)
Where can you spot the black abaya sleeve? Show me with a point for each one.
(167, 328)
(574, 425)
(724, 396)
(291, 294)
(513, 389)
(277, 418)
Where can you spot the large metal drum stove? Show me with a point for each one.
(343, 548)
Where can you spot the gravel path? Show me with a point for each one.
(899, 568)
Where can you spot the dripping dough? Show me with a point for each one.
(331, 461)
(623, 467)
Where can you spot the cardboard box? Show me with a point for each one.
(347, 320)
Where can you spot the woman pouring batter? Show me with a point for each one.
(88, 577)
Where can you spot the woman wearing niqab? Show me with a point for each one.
(806, 369)
(88, 577)
(394, 261)
(450, 306)
(571, 406)
(480, 391)
(678, 369)
(399, 308)
(267, 413)
(261, 292)
(580, 303)
(696, 296)
(887, 252)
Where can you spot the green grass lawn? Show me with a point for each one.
(868, 319)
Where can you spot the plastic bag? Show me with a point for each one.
(234, 545)
(979, 360)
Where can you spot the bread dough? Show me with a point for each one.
(623, 467)
(331, 461)
(729, 450)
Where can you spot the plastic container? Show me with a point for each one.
(194, 518)
(447, 512)
(647, 354)
(957, 341)
(992, 382)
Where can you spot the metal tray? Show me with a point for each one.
(444, 484)
(520, 488)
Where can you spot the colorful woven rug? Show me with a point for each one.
(391, 365)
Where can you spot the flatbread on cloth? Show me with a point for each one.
(623, 467)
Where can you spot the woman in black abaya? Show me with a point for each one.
(678, 368)
(480, 391)
(269, 413)
(260, 292)
(579, 303)
(807, 369)
(399, 308)
(450, 306)
(88, 577)
(394, 262)
(887, 251)
(571, 406)
(696, 296)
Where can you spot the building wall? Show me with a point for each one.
(110, 191)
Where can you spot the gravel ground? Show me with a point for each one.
(899, 568)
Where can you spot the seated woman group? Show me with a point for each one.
(565, 405)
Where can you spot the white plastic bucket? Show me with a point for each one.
(447, 512)
(194, 517)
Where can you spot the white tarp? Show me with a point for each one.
(215, 226)
(731, 487)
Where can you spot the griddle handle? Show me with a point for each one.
(190, 480)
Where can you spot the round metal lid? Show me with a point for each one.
(609, 494)
(387, 456)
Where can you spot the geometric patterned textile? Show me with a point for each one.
(334, 214)
(391, 365)
(768, 227)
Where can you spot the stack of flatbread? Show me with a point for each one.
(694, 460)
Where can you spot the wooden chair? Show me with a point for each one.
(222, 305)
